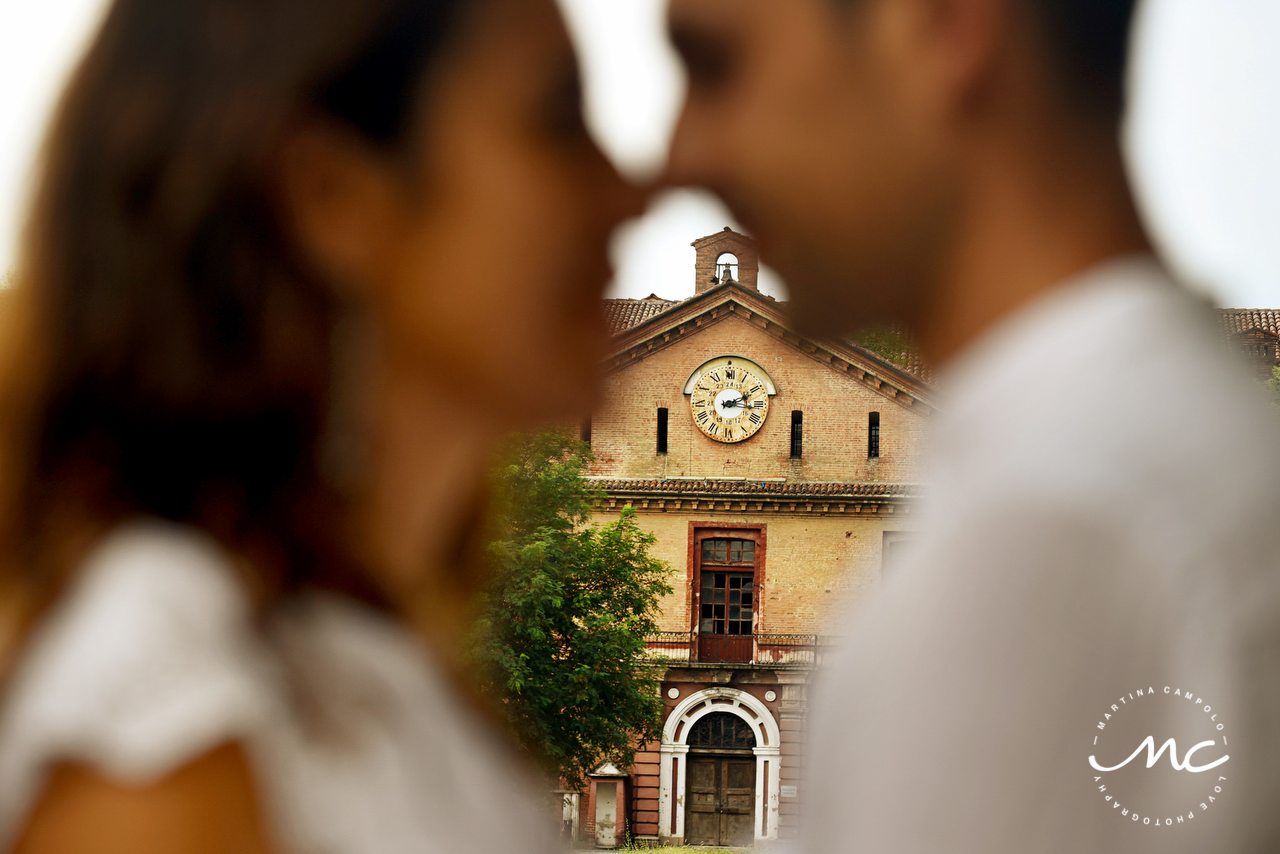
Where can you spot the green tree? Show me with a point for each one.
(562, 641)
(1273, 386)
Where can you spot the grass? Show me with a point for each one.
(686, 850)
(690, 849)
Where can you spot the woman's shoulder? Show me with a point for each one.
(146, 662)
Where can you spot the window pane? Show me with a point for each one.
(722, 731)
(708, 549)
(749, 551)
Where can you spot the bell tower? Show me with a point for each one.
(725, 256)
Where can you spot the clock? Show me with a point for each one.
(729, 403)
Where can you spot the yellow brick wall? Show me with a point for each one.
(835, 406)
(814, 565)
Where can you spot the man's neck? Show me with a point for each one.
(1036, 213)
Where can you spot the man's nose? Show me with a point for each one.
(697, 154)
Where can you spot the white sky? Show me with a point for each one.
(1204, 137)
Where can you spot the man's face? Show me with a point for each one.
(808, 120)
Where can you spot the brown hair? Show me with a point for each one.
(168, 354)
(1088, 46)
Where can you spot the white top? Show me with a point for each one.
(358, 744)
(1103, 519)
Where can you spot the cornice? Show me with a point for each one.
(736, 497)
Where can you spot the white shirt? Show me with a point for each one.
(1103, 518)
(358, 745)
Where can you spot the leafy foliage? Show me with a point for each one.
(887, 342)
(1273, 386)
(563, 637)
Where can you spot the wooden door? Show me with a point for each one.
(725, 598)
(725, 624)
(721, 794)
(738, 800)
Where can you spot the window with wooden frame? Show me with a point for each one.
(726, 581)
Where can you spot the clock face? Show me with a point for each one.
(729, 403)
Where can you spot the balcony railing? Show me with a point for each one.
(764, 649)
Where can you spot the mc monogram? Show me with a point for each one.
(1153, 756)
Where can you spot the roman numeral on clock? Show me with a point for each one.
(755, 419)
(755, 388)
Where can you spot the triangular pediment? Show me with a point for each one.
(681, 320)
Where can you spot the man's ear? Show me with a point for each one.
(955, 45)
(338, 199)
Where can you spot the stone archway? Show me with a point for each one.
(675, 751)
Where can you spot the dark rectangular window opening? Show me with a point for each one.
(797, 434)
(662, 430)
(728, 587)
(895, 543)
(873, 435)
(585, 432)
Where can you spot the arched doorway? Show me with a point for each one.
(721, 785)
(724, 765)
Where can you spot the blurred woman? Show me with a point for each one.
(293, 268)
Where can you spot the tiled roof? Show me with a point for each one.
(908, 360)
(756, 487)
(1237, 320)
(626, 313)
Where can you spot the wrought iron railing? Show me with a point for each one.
(788, 649)
(671, 646)
(764, 648)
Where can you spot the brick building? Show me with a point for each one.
(778, 474)
(1255, 333)
(769, 525)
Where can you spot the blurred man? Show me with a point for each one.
(1099, 563)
